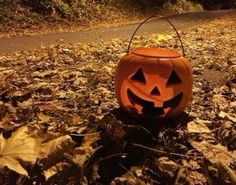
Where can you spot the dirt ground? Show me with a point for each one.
(63, 99)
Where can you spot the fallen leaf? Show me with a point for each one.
(81, 81)
(215, 153)
(55, 149)
(43, 118)
(182, 176)
(20, 147)
(233, 104)
(25, 104)
(223, 114)
(76, 120)
(198, 126)
(195, 177)
(54, 170)
(86, 150)
(228, 172)
(220, 101)
(166, 165)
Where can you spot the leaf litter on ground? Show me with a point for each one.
(65, 91)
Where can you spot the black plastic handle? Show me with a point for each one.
(157, 17)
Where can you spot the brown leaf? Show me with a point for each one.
(86, 150)
(215, 153)
(55, 149)
(195, 177)
(5, 120)
(167, 166)
(220, 101)
(198, 126)
(182, 176)
(227, 172)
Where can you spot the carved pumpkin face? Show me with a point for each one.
(151, 81)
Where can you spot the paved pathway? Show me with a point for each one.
(8, 45)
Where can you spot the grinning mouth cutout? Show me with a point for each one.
(148, 106)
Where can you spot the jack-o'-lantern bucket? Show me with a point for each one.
(153, 81)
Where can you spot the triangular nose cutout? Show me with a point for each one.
(155, 91)
(173, 79)
(139, 76)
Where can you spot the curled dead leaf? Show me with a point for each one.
(223, 114)
(54, 169)
(55, 149)
(215, 153)
(84, 152)
(198, 126)
(166, 165)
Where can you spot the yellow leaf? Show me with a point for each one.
(81, 81)
(54, 170)
(87, 142)
(20, 147)
(223, 114)
(162, 38)
(76, 120)
(12, 164)
(198, 126)
(43, 118)
(25, 104)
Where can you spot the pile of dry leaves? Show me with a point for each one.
(60, 122)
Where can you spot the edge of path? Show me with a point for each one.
(185, 20)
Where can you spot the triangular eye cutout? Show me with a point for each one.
(173, 79)
(139, 76)
(155, 91)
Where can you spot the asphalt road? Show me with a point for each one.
(181, 21)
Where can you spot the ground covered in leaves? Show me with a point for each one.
(60, 122)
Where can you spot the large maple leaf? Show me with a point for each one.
(19, 148)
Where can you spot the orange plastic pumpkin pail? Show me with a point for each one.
(153, 81)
